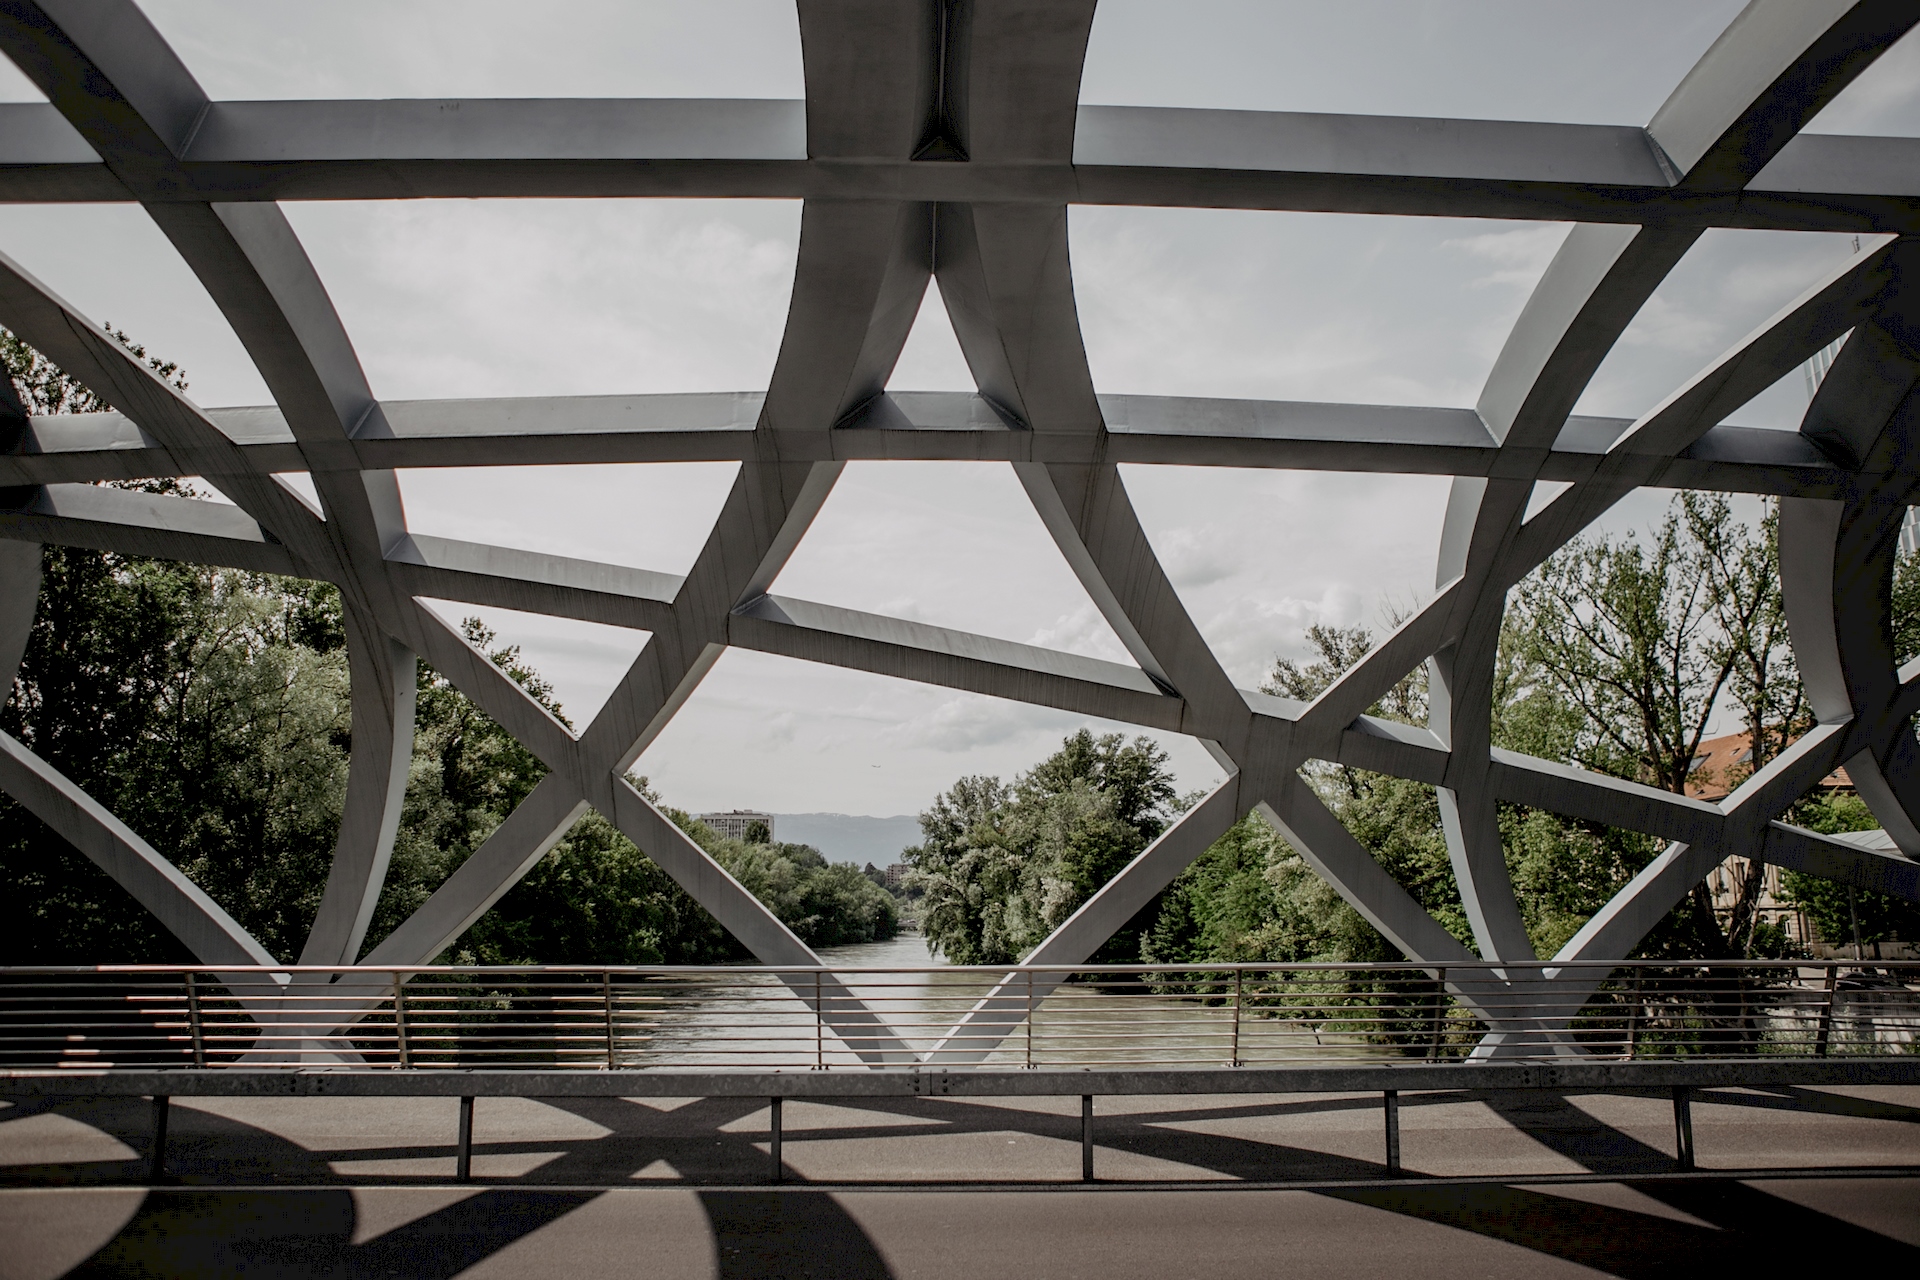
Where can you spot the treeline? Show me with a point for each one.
(1614, 656)
(208, 709)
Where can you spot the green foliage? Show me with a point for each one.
(1616, 653)
(209, 710)
(45, 387)
(1251, 898)
(1831, 907)
(176, 698)
(825, 904)
(1002, 866)
(596, 899)
(1613, 657)
(466, 776)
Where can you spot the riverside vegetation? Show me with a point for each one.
(208, 709)
(1614, 656)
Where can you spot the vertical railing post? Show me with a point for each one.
(193, 1023)
(1634, 1011)
(1233, 1059)
(819, 1030)
(463, 1151)
(1029, 1019)
(1086, 1137)
(606, 995)
(157, 1157)
(1683, 1125)
(1824, 1036)
(1390, 1105)
(773, 1129)
(400, 1021)
(1439, 1015)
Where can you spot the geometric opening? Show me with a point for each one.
(581, 661)
(1729, 283)
(1259, 556)
(1581, 64)
(557, 297)
(931, 360)
(486, 49)
(1324, 307)
(645, 515)
(788, 736)
(951, 544)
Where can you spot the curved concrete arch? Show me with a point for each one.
(943, 142)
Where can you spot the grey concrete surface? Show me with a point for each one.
(991, 92)
(589, 1187)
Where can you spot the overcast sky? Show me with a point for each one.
(534, 297)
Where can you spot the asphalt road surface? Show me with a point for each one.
(612, 1187)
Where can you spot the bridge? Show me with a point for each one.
(940, 143)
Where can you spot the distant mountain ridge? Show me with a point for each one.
(849, 837)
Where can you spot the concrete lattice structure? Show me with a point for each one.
(942, 140)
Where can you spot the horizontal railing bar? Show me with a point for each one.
(733, 971)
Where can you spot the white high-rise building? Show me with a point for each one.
(733, 823)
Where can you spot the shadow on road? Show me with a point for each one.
(197, 1228)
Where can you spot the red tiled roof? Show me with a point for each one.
(1720, 764)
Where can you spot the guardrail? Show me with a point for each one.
(750, 1018)
(464, 1032)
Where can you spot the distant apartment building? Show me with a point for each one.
(733, 823)
(896, 875)
(1720, 765)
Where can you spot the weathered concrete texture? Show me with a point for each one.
(991, 91)
(666, 1187)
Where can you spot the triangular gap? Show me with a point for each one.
(468, 771)
(203, 490)
(1565, 871)
(1544, 492)
(931, 360)
(1783, 406)
(1730, 283)
(1397, 822)
(1258, 557)
(580, 662)
(300, 484)
(952, 544)
(1881, 102)
(648, 515)
(788, 737)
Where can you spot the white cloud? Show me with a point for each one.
(1520, 257)
(476, 298)
(557, 297)
(1083, 631)
(1297, 306)
(1729, 283)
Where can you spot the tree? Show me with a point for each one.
(1641, 641)
(825, 904)
(1003, 866)
(209, 710)
(175, 697)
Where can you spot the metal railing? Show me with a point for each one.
(1043, 1016)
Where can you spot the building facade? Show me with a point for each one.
(733, 823)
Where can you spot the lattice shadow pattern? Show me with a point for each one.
(941, 141)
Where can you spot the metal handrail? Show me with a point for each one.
(620, 1017)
